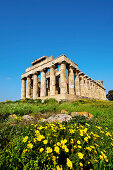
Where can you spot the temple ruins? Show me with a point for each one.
(59, 78)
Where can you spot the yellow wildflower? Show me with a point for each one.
(78, 142)
(71, 131)
(58, 143)
(25, 139)
(85, 130)
(45, 142)
(30, 145)
(25, 150)
(92, 147)
(88, 148)
(40, 137)
(86, 139)
(81, 164)
(41, 149)
(75, 146)
(34, 140)
(72, 141)
(59, 167)
(81, 133)
(57, 149)
(80, 155)
(69, 163)
(108, 134)
(79, 146)
(101, 157)
(49, 150)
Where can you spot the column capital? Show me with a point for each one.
(30, 75)
(81, 74)
(70, 66)
(89, 78)
(63, 62)
(52, 65)
(24, 78)
(36, 73)
(43, 70)
(86, 76)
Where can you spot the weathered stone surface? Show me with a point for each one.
(64, 111)
(58, 118)
(86, 114)
(28, 118)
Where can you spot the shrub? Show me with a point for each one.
(65, 146)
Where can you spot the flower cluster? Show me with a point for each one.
(66, 146)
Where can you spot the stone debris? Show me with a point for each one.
(28, 118)
(13, 116)
(86, 114)
(64, 111)
(58, 118)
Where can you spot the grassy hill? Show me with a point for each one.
(79, 144)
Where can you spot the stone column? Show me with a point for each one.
(89, 88)
(96, 91)
(52, 81)
(86, 85)
(57, 85)
(92, 89)
(31, 88)
(104, 94)
(35, 86)
(28, 90)
(43, 83)
(71, 80)
(63, 79)
(77, 83)
(82, 89)
(49, 87)
(23, 89)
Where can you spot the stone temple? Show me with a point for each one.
(61, 79)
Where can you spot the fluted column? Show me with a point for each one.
(28, 90)
(77, 83)
(63, 79)
(43, 83)
(89, 88)
(57, 84)
(52, 81)
(104, 94)
(71, 80)
(82, 89)
(35, 86)
(94, 90)
(86, 85)
(23, 89)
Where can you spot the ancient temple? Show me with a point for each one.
(59, 78)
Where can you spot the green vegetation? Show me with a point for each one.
(80, 143)
(110, 95)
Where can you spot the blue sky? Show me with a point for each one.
(80, 29)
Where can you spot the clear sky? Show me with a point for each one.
(30, 29)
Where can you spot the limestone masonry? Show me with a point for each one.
(59, 78)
